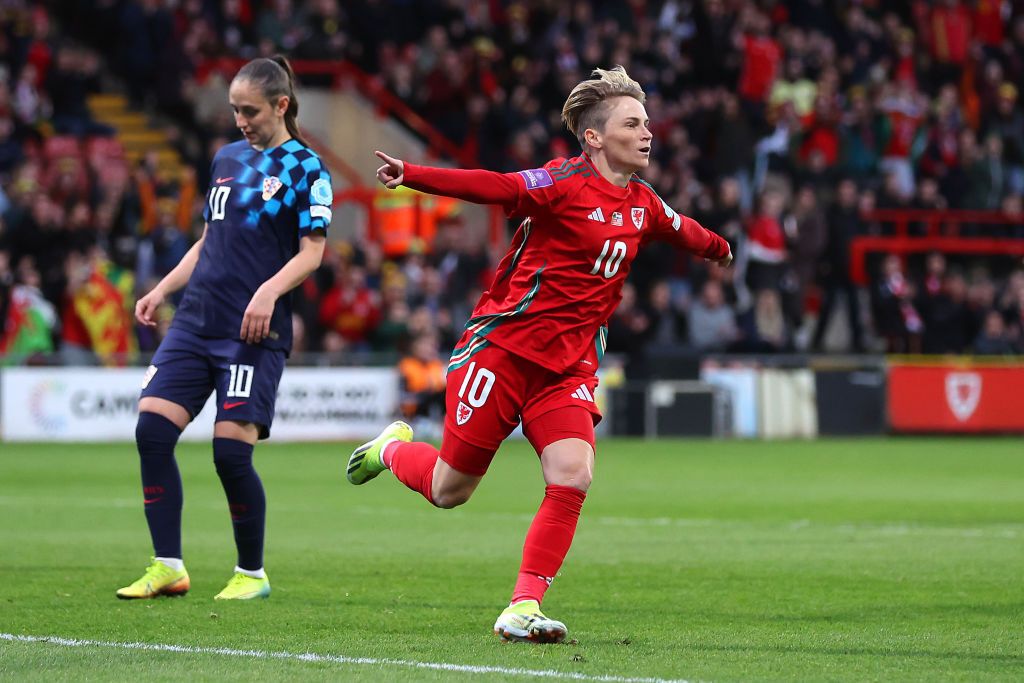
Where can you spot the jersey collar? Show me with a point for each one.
(604, 183)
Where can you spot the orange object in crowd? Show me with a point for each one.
(407, 220)
(419, 376)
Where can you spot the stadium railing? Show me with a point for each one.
(346, 75)
(343, 74)
(941, 231)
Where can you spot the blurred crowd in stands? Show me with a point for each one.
(782, 124)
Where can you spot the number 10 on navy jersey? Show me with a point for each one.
(218, 201)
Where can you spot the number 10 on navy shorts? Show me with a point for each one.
(187, 368)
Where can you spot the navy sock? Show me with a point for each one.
(246, 500)
(162, 495)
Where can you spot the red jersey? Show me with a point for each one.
(562, 277)
(904, 119)
(760, 64)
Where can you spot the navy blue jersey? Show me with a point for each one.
(259, 205)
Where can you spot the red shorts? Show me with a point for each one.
(492, 390)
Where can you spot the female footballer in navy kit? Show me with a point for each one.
(267, 213)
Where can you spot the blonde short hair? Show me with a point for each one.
(585, 108)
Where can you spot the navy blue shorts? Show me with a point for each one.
(187, 368)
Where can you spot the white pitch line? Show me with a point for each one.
(891, 528)
(334, 659)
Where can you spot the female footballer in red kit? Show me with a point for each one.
(532, 347)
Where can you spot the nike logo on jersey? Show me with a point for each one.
(221, 181)
(597, 215)
(147, 501)
(229, 406)
(583, 394)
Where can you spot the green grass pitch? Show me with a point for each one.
(881, 559)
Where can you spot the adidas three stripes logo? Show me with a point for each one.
(583, 394)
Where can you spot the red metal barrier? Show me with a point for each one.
(942, 233)
(344, 74)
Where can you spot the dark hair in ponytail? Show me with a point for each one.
(275, 78)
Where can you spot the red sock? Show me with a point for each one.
(548, 541)
(413, 464)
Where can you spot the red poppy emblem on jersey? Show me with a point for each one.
(637, 214)
(273, 184)
(463, 414)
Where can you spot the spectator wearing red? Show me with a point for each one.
(761, 58)
(950, 31)
(821, 134)
(989, 29)
(766, 244)
(40, 51)
(903, 113)
(349, 312)
(905, 67)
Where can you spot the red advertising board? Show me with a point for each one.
(956, 398)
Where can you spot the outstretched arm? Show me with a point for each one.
(689, 235)
(713, 247)
(476, 185)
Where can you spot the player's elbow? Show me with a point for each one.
(312, 247)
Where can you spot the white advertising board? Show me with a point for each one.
(742, 383)
(94, 404)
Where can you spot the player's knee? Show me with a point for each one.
(232, 458)
(231, 468)
(155, 435)
(578, 476)
(580, 479)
